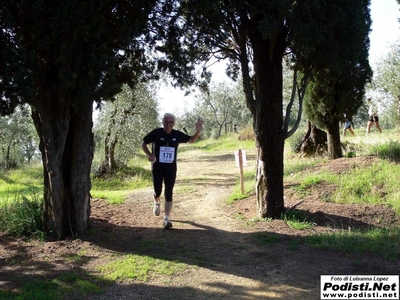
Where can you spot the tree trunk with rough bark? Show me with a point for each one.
(334, 144)
(269, 124)
(66, 144)
(314, 142)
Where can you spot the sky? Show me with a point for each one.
(385, 31)
(385, 27)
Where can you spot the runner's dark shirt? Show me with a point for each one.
(159, 138)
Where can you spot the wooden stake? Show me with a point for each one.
(241, 170)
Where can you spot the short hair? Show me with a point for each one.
(168, 115)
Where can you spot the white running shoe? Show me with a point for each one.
(167, 224)
(156, 208)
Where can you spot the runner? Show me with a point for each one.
(165, 142)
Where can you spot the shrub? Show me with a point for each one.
(295, 141)
(390, 150)
(22, 217)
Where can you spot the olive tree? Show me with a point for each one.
(122, 123)
(59, 57)
(222, 107)
(18, 141)
(386, 84)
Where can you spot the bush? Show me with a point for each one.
(22, 217)
(390, 150)
(294, 142)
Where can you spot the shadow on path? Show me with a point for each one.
(275, 267)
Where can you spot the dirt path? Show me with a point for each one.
(227, 253)
(223, 262)
(219, 244)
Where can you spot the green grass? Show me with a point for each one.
(376, 184)
(22, 217)
(381, 241)
(70, 285)
(294, 165)
(389, 150)
(21, 197)
(298, 220)
(115, 189)
(139, 267)
(23, 182)
(248, 177)
(227, 143)
(304, 188)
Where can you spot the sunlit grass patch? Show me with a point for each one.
(112, 197)
(389, 150)
(298, 220)
(370, 184)
(29, 174)
(26, 181)
(296, 165)
(141, 268)
(256, 220)
(229, 142)
(248, 186)
(115, 189)
(384, 242)
(308, 182)
(375, 184)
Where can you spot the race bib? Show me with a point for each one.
(167, 155)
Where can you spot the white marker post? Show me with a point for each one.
(240, 157)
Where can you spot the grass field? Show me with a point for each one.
(358, 185)
(21, 195)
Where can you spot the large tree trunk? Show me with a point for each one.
(334, 145)
(269, 123)
(314, 142)
(270, 141)
(66, 144)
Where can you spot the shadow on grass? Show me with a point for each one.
(278, 269)
(24, 277)
(273, 264)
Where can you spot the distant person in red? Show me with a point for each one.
(372, 116)
(165, 142)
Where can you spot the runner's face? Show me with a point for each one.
(168, 124)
